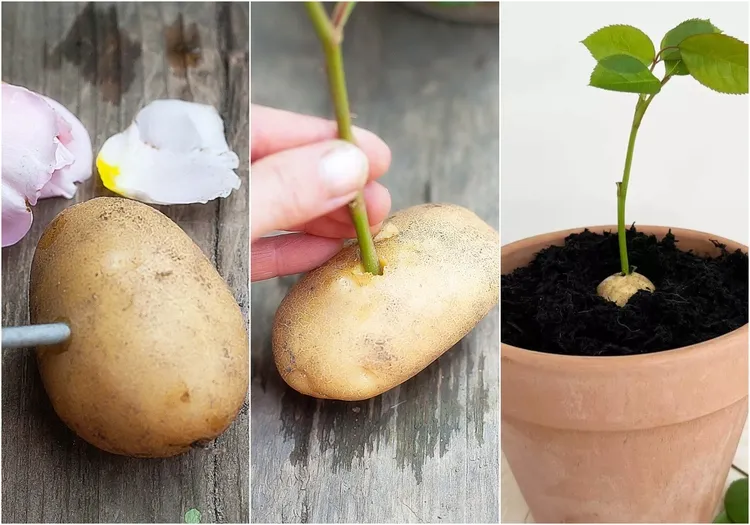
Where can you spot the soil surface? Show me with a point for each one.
(551, 305)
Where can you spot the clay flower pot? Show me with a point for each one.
(636, 439)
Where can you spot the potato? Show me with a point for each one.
(158, 358)
(619, 288)
(342, 333)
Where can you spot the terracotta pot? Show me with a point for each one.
(633, 439)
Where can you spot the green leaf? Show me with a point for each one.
(717, 61)
(193, 516)
(672, 58)
(722, 518)
(626, 74)
(620, 40)
(735, 501)
(674, 67)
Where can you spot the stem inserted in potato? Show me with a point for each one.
(330, 36)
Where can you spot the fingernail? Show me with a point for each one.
(344, 169)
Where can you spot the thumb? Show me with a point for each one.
(298, 185)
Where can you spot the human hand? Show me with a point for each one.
(302, 180)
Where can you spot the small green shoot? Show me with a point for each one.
(193, 516)
(735, 503)
(626, 58)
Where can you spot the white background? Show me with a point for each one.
(563, 142)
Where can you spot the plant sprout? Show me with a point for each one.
(330, 31)
(626, 58)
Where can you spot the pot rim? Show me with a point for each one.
(548, 360)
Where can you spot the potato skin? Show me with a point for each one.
(158, 359)
(344, 334)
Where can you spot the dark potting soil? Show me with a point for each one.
(551, 305)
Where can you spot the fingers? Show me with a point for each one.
(301, 176)
(332, 229)
(298, 185)
(378, 201)
(338, 224)
(290, 254)
(275, 130)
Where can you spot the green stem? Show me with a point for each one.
(341, 14)
(622, 186)
(330, 37)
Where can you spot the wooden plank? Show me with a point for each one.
(428, 450)
(231, 468)
(105, 62)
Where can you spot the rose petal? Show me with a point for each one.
(63, 181)
(174, 152)
(31, 151)
(181, 126)
(17, 216)
(40, 142)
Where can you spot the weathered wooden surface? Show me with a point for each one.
(105, 62)
(428, 450)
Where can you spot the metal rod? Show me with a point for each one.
(35, 335)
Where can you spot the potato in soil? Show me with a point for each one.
(342, 333)
(158, 359)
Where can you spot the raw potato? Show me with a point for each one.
(619, 288)
(158, 359)
(344, 334)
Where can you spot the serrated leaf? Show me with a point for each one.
(735, 501)
(717, 61)
(672, 58)
(620, 40)
(722, 518)
(626, 74)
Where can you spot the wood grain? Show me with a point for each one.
(105, 62)
(428, 450)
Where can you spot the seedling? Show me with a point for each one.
(626, 58)
(330, 31)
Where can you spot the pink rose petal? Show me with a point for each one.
(45, 151)
(77, 141)
(17, 217)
